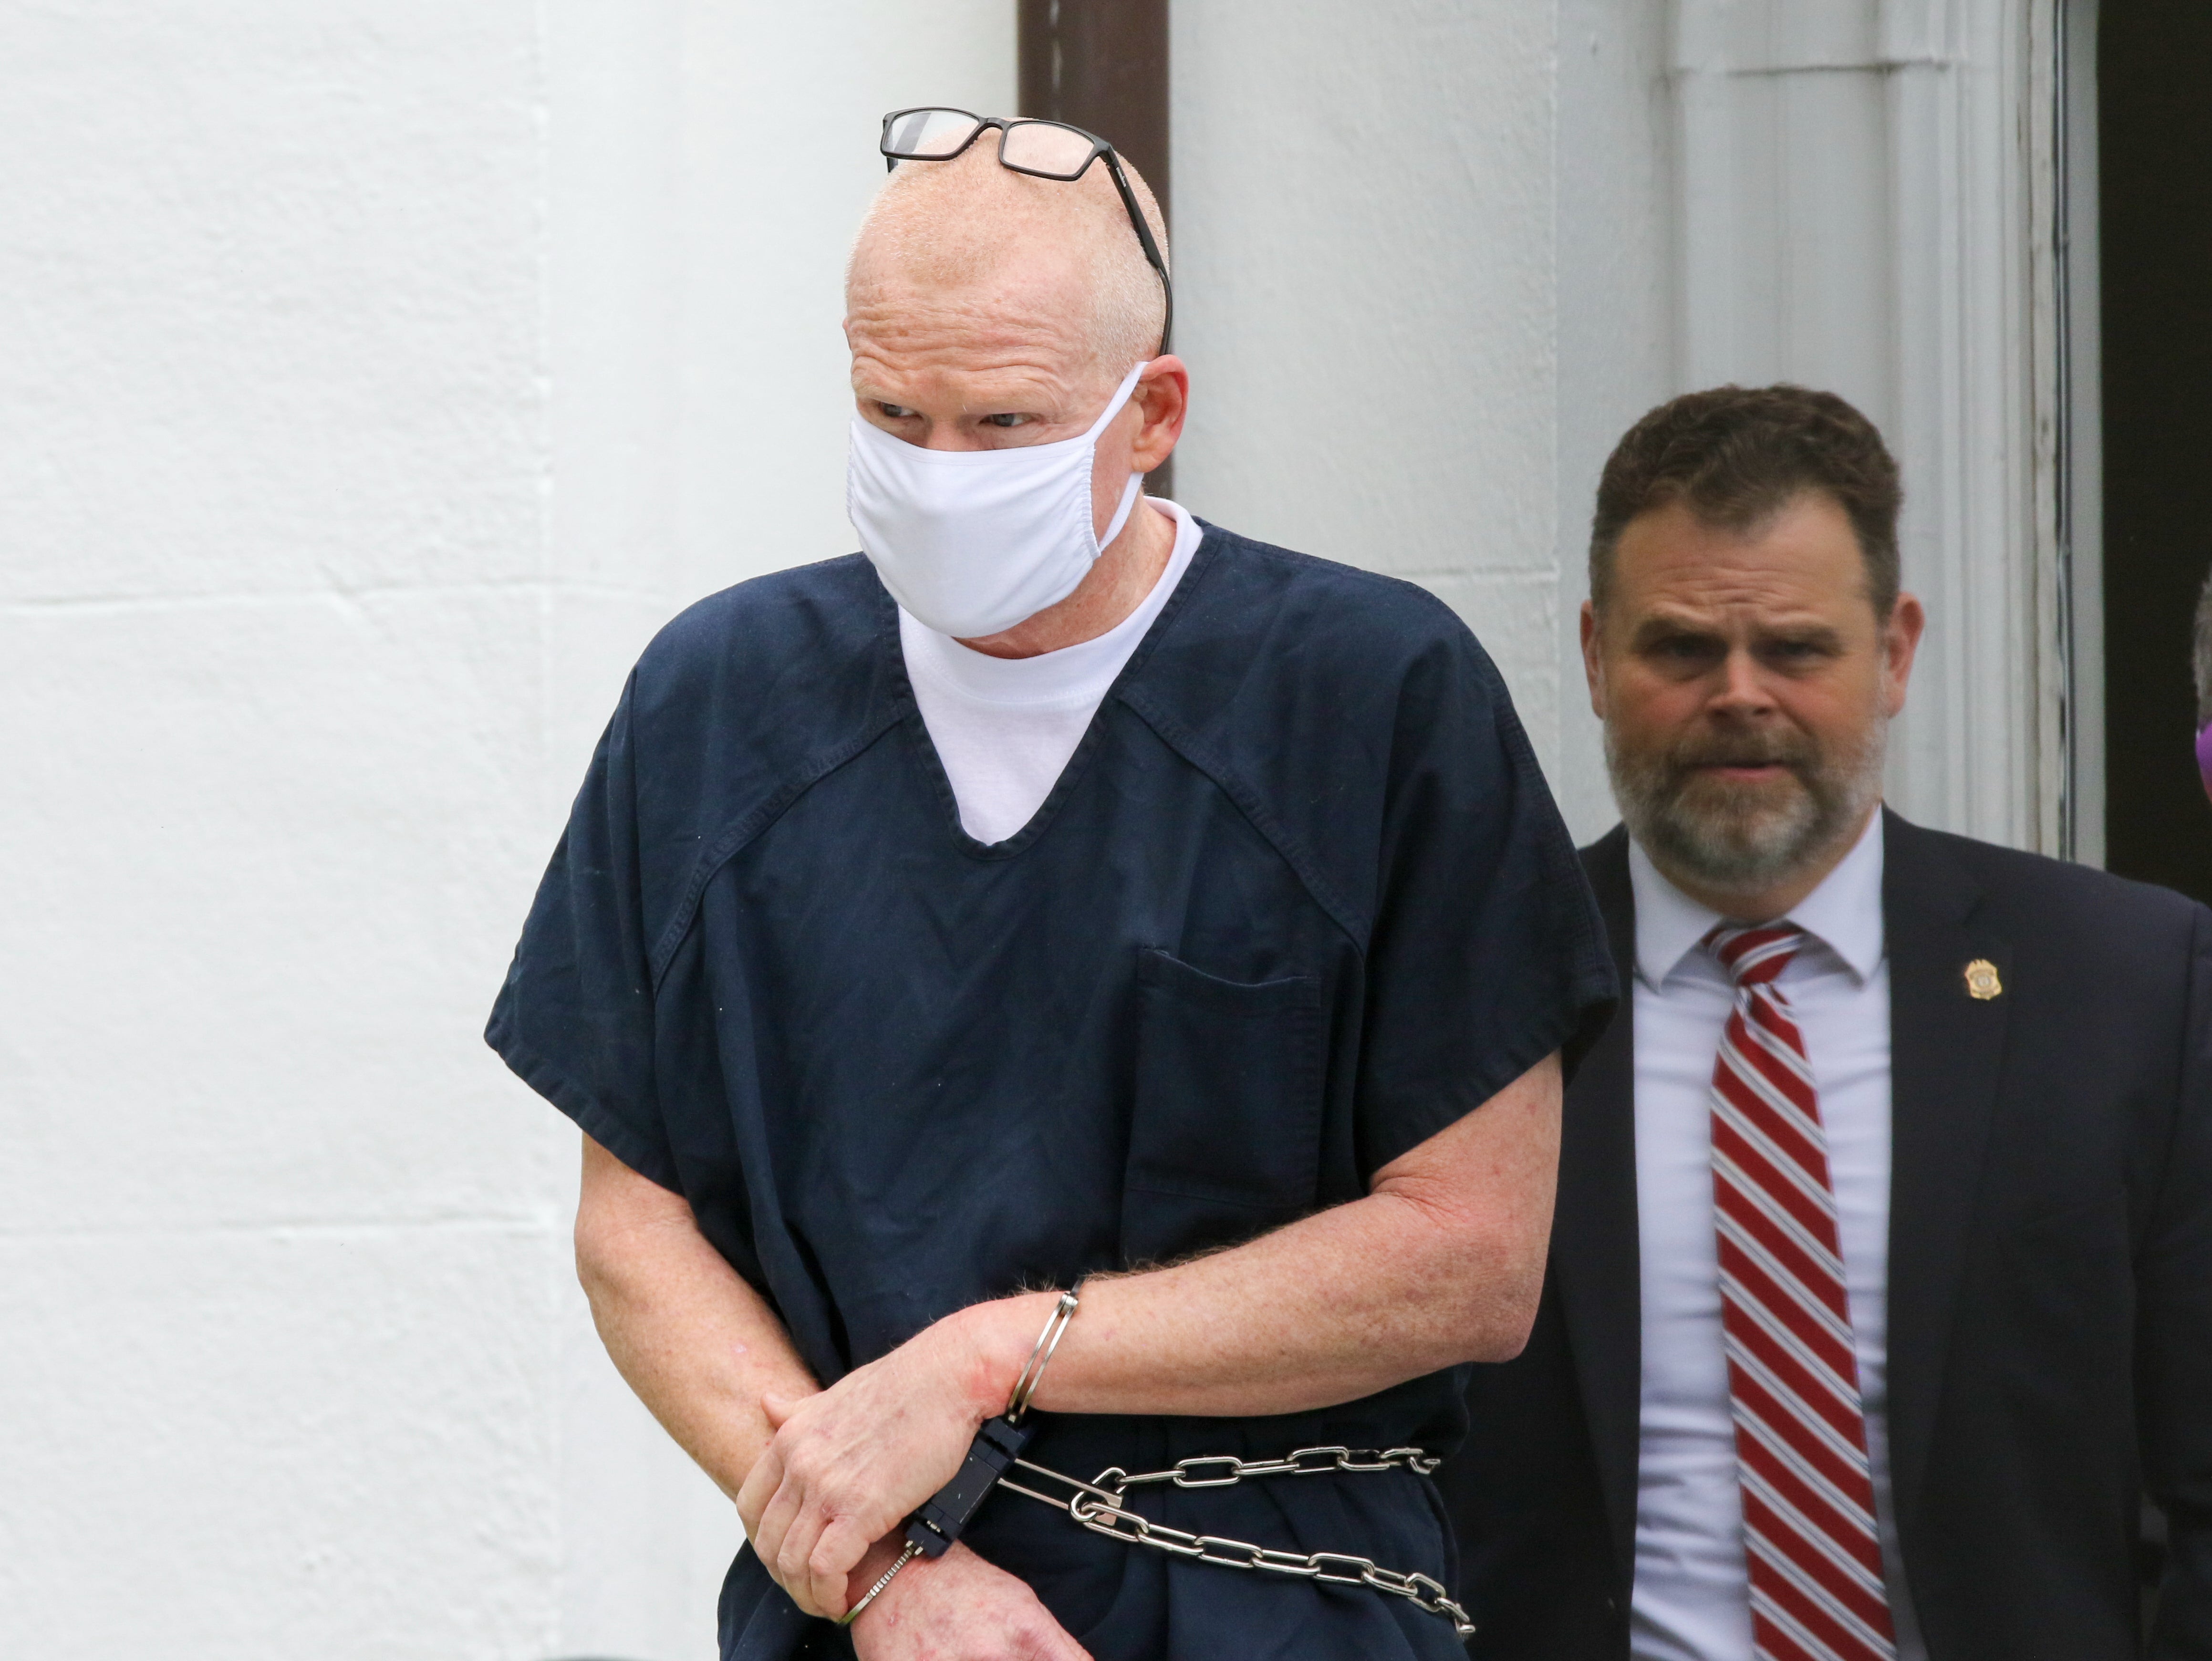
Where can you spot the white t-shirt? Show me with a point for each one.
(1692, 1600)
(1005, 728)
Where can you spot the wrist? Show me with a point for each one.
(880, 1557)
(869, 1583)
(993, 1342)
(907, 1583)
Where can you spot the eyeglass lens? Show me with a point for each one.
(930, 132)
(1040, 147)
(1047, 148)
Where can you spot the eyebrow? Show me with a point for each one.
(1031, 400)
(1654, 629)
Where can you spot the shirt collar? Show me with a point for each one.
(1844, 913)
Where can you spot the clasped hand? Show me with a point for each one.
(846, 1466)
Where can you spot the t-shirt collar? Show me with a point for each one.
(1844, 913)
(1073, 675)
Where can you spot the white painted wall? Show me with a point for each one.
(1425, 281)
(279, 1255)
(1365, 198)
(373, 378)
(1617, 300)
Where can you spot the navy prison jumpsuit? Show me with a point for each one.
(1299, 901)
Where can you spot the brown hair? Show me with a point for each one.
(1735, 456)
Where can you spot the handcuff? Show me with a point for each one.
(930, 1532)
(1098, 1505)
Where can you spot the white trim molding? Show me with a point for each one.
(1869, 201)
(2078, 306)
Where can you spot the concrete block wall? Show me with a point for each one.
(373, 379)
(279, 1260)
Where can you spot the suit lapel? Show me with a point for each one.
(1946, 1048)
(1594, 1241)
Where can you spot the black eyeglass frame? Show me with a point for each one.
(1099, 148)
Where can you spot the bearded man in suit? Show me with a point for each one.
(1880, 1282)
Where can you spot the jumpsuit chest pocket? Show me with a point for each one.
(1224, 1138)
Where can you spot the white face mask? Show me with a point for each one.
(972, 541)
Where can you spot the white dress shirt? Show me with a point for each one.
(1005, 728)
(1691, 1599)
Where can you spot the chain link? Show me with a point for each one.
(1227, 1469)
(1097, 1507)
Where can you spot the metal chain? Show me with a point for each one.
(1097, 1507)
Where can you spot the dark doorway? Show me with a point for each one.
(2155, 135)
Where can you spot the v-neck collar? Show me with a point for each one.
(909, 708)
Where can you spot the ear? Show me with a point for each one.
(1162, 398)
(1593, 661)
(1900, 642)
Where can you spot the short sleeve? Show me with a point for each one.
(576, 1018)
(1487, 951)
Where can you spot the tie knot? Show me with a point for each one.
(1753, 957)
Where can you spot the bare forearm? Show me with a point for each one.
(1440, 1263)
(699, 1346)
(1326, 1311)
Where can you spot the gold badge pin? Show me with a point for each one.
(1982, 980)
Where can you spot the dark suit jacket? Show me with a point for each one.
(2050, 1284)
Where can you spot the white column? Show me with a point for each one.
(1862, 207)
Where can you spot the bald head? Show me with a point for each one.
(1020, 260)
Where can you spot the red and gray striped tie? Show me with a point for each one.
(1809, 1524)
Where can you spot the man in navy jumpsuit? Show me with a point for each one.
(1206, 939)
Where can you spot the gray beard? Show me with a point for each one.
(1740, 840)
